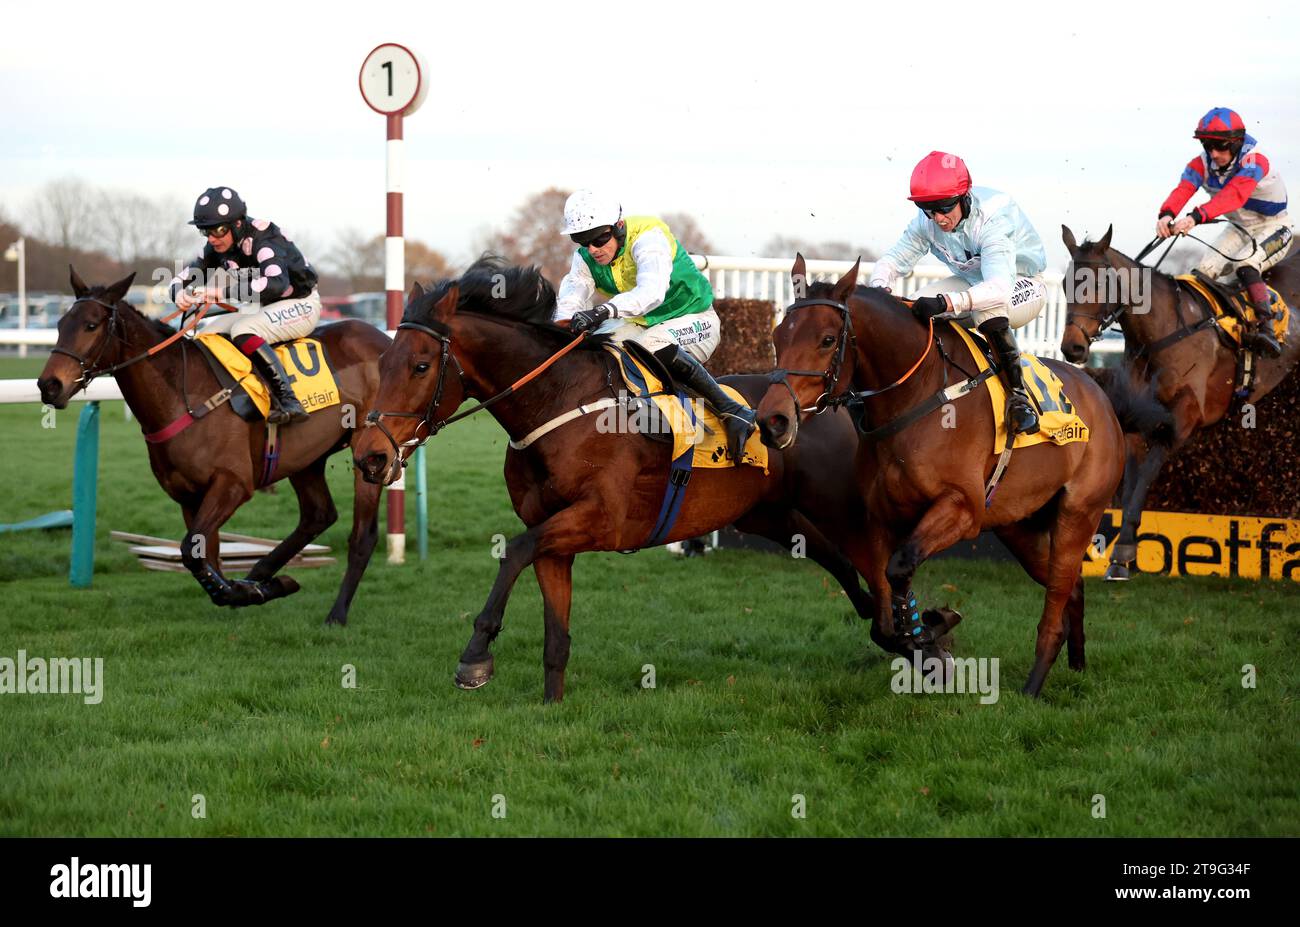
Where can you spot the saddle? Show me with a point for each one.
(305, 363)
(1231, 307)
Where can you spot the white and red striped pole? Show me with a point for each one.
(395, 288)
(392, 84)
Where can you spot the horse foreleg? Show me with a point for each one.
(361, 544)
(200, 546)
(1071, 536)
(1033, 548)
(563, 534)
(555, 579)
(316, 512)
(1125, 550)
(947, 521)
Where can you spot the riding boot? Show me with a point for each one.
(1260, 338)
(1020, 411)
(736, 417)
(285, 405)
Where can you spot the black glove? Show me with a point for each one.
(588, 319)
(926, 307)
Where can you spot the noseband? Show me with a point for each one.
(375, 417)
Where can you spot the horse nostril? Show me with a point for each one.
(778, 424)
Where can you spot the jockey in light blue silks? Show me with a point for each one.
(994, 253)
(656, 297)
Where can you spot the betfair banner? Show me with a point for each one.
(1178, 544)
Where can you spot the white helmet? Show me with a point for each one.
(585, 210)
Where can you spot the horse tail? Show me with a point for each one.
(1136, 406)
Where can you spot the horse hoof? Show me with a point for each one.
(474, 675)
(1116, 573)
(340, 620)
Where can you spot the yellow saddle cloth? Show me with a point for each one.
(303, 361)
(707, 433)
(1057, 420)
(1230, 322)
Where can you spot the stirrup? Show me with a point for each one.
(1019, 402)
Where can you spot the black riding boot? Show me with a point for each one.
(285, 406)
(1260, 338)
(736, 417)
(1024, 420)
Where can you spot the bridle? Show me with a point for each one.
(90, 368)
(426, 418)
(831, 375)
(1104, 319)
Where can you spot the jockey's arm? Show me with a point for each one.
(997, 266)
(899, 260)
(654, 269)
(1188, 184)
(577, 290)
(191, 276)
(1236, 191)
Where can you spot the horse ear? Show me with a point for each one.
(1105, 239)
(1068, 237)
(445, 308)
(113, 295)
(79, 288)
(844, 288)
(416, 292)
(800, 269)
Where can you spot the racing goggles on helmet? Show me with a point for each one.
(1219, 144)
(593, 238)
(934, 207)
(214, 231)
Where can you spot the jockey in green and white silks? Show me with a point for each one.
(655, 297)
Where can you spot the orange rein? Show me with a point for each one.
(929, 343)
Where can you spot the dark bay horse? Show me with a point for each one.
(212, 467)
(579, 488)
(1193, 371)
(924, 483)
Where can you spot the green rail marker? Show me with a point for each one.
(421, 503)
(85, 479)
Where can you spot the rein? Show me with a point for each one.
(375, 417)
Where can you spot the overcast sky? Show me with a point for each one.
(801, 119)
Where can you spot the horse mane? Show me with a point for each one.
(496, 289)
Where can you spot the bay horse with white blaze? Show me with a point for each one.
(924, 484)
(1172, 343)
(213, 466)
(580, 488)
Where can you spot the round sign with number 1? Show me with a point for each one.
(392, 80)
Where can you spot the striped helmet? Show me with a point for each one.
(1221, 123)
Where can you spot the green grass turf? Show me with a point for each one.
(765, 688)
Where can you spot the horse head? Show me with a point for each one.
(1091, 272)
(89, 338)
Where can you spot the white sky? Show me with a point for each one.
(802, 119)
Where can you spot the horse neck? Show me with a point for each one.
(1161, 317)
(889, 343)
(151, 387)
(494, 354)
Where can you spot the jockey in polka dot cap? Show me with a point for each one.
(996, 257)
(250, 260)
(1245, 188)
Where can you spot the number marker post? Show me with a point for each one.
(393, 84)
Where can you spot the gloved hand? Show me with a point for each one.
(926, 307)
(587, 319)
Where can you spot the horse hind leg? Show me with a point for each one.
(316, 512)
(1063, 601)
(361, 544)
(555, 579)
(1032, 547)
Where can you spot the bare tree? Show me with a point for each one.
(533, 235)
(688, 232)
(63, 213)
(134, 228)
(358, 259)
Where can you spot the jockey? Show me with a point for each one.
(657, 298)
(258, 262)
(995, 254)
(1243, 187)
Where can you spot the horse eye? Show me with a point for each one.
(91, 326)
(828, 341)
(422, 367)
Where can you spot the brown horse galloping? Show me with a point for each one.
(1173, 346)
(924, 484)
(212, 467)
(580, 488)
